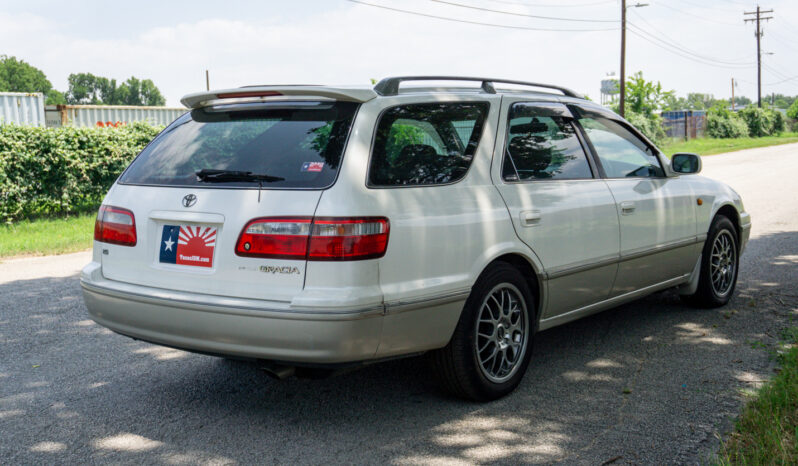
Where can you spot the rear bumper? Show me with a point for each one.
(236, 327)
(267, 330)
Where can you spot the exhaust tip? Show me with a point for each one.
(278, 371)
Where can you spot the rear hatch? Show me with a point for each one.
(196, 187)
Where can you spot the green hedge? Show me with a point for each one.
(56, 171)
(723, 123)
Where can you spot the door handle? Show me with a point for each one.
(627, 207)
(530, 218)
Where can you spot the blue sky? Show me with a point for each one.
(341, 42)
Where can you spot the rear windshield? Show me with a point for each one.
(298, 143)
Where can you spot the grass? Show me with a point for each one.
(47, 236)
(709, 146)
(767, 431)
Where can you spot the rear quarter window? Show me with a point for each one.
(426, 144)
(300, 142)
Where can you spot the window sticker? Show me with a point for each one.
(312, 166)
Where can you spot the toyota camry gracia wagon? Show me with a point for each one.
(315, 226)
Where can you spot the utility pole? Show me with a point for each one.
(207, 81)
(733, 95)
(622, 105)
(758, 18)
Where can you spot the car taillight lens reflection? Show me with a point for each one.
(276, 238)
(348, 239)
(115, 225)
(321, 239)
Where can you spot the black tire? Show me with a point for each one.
(715, 293)
(458, 366)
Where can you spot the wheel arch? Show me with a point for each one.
(730, 211)
(531, 275)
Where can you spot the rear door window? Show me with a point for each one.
(426, 144)
(299, 144)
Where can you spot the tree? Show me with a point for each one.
(643, 96)
(20, 76)
(699, 101)
(139, 92)
(86, 88)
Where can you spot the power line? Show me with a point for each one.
(549, 5)
(698, 5)
(696, 16)
(686, 52)
(683, 55)
(792, 78)
(478, 23)
(675, 44)
(526, 15)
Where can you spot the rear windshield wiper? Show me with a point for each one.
(228, 176)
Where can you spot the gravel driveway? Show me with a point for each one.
(648, 382)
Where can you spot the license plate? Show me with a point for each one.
(188, 245)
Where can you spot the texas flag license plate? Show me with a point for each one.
(188, 245)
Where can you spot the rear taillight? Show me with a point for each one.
(115, 225)
(319, 239)
(276, 238)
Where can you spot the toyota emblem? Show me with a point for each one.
(189, 200)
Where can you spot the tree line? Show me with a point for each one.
(84, 88)
(645, 99)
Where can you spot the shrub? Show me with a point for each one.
(759, 121)
(779, 122)
(53, 171)
(721, 123)
(649, 125)
(792, 112)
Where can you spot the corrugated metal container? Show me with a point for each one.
(110, 115)
(22, 108)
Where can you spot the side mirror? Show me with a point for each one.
(686, 163)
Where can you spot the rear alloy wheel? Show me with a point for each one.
(492, 344)
(501, 333)
(719, 265)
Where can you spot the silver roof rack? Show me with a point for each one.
(390, 86)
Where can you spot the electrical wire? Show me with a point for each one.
(686, 52)
(460, 5)
(698, 16)
(682, 47)
(683, 55)
(478, 23)
(549, 5)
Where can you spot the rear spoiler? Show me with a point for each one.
(204, 99)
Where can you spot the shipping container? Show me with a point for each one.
(109, 115)
(22, 108)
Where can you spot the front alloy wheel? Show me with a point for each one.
(720, 262)
(723, 263)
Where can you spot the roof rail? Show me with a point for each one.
(390, 86)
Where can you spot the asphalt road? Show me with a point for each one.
(648, 382)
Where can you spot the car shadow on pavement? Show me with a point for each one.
(650, 381)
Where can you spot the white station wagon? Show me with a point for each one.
(324, 227)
